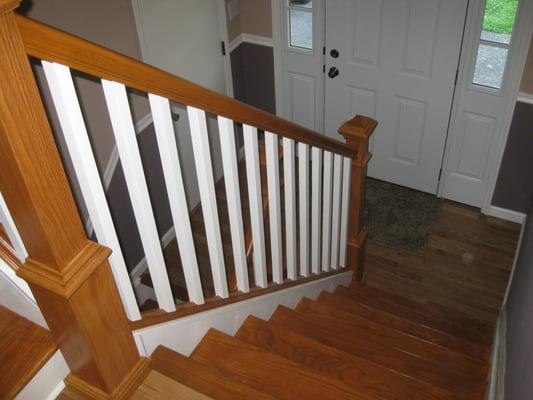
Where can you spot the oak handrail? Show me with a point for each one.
(51, 44)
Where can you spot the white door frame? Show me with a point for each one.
(513, 76)
(515, 67)
(224, 37)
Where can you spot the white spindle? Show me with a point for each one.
(345, 207)
(274, 202)
(168, 151)
(303, 171)
(128, 150)
(75, 134)
(233, 195)
(326, 210)
(253, 175)
(202, 159)
(316, 211)
(12, 232)
(336, 207)
(290, 206)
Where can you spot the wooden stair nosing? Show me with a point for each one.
(334, 334)
(366, 376)
(202, 377)
(469, 349)
(269, 372)
(394, 338)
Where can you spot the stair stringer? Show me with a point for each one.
(183, 335)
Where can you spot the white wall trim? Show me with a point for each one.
(48, 382)
(498, 358)
(504, 213)
(515, 262)
(228, 319)
(249, 38)
(524, 97)
(278, 56)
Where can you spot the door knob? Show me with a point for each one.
(333, 72)
(334, 53)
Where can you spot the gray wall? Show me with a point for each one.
(252, 67)
(514, 188)
(519, 343)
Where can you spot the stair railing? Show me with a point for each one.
(82, 287)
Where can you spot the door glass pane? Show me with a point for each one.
(499, 19)
(301, 29)
(302, 3)
(490, 65)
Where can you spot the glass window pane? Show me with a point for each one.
(301, 29)
(499, 19)
(301, 3)
(490, 65)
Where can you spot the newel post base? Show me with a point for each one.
(69, 275)
(357, 133)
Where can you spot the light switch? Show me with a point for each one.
(234, 7)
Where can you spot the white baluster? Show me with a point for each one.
(168, 151)
(290, 206)
(326, 211)
(233, 194)
(316, 218)
(253, 175)
(274, 203)
(346, 179)
(128, 150)
(202, 159)
(12, 232)
(303, 170)
(80, 151)
(336, 206)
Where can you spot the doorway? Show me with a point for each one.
(401, 62)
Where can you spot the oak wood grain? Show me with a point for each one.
(25, 348)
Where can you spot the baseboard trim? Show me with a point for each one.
(504, 213)
(229, 318)
(525, 98)
(253, 39)
(496, 389)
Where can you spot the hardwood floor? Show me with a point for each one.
(465, 267)
(25, 348)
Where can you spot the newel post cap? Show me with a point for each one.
(358, 128)
(8, 5)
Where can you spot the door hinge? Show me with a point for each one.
(456, 77)
(324, 68)
(223, 48)
(440, 175)
(324, 50)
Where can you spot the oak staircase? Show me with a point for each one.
(286, 219)
(355, 343)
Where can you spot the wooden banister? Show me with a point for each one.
(68, 274)
(50, 44)
(357, 132)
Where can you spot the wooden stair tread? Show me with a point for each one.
(334, 333)
(451, 342)
(357, 326)
(202, 377)
(269, 372)
(26, 347)
(359, 373)
(420, 313)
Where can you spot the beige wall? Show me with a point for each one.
(527, 78)
(255, 18)
(110, 24)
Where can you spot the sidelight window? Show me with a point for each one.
(494, 42)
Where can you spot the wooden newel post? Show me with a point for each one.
(69, 275)
(357, 132)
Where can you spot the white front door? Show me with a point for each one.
(395, 60)
(302, 62)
